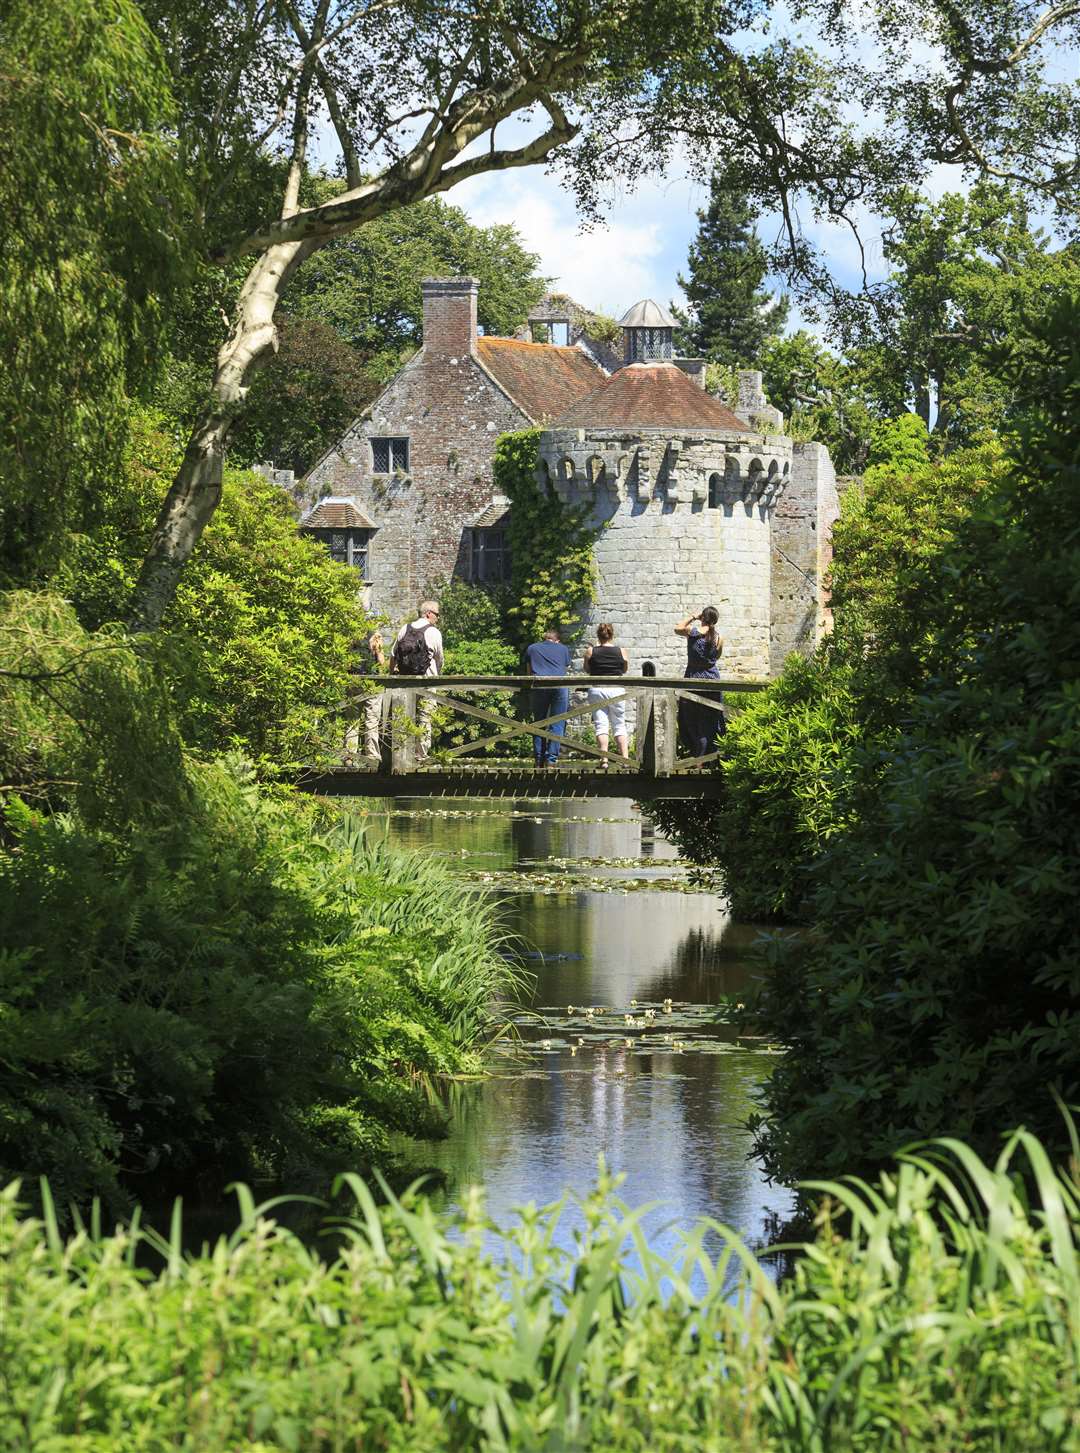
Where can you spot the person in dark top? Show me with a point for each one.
(700, 725)
(609, 715)
(548, 657)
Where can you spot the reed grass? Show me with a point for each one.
(466, 970)
(945, 1316)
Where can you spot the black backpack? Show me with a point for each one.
(413, 652)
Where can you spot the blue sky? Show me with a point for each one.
(643, 247)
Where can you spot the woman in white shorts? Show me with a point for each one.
(606, 659)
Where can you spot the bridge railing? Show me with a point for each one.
(411, 708)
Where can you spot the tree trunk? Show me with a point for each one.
(922, 399)
(196, 490)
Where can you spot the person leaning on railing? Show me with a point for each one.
(609, 714)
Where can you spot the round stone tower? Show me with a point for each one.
(685, 492)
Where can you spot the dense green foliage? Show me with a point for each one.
(965, 274)
(822, 397)
(942, 986)
(93, 252)
(911, 795)
(302, 403)
(946, 1318)
(366, 287)
(470, 613)
(729, 316)
(551, 545)
(261, 634)
(195, 977)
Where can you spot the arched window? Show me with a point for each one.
(716, 491)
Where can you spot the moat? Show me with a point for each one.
(606, 918)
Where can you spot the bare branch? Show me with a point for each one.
(425, 168)
(312, 47)
(298, 159)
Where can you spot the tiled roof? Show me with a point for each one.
(543, 379)
(496, 513)
(337, 514)
(647, 396)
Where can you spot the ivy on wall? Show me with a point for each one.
(551, 544)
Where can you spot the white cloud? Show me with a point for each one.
(636, 255)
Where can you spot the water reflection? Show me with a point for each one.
(673, 1124)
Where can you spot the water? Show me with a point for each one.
(671, 1120)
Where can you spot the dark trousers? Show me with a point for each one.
(548, 701)
(699, 726)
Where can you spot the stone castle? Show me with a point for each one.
(701, 503)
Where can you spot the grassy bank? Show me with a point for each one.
(946, 1316)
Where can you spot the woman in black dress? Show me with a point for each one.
(700, 725)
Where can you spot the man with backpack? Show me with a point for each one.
(418, 651)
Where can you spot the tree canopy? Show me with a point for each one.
(94, 251)
(367, 286)
(730, 316)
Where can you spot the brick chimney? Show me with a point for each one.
(449, 315)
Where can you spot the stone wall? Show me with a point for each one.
(451, 412)
(665, 550)
(801, 553)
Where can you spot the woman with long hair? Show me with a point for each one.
(606, 659)
(700, 725)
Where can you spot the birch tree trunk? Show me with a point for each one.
(196, 491)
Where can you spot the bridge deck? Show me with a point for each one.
(509, 780)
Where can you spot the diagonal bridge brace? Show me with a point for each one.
(532, 729)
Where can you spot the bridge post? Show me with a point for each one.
(402, 717)
(661, 734)
(386, 706)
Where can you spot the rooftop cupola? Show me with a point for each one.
(647, 330)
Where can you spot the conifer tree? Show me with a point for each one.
(730, 316)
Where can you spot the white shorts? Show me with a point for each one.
(609, 718)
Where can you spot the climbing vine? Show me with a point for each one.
(551, 544)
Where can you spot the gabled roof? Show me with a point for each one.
(650, 396)
(543, 379)
(337, 513)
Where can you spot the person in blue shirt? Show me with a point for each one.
(548, 657)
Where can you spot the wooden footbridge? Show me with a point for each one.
(464, 760)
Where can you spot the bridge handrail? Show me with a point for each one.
(513, 683)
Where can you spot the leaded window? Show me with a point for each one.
(348, 547)
(389, 456)
(490, 556)
(649, 345)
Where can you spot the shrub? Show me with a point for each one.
(195, 978)
(802, 760)
(470, 613)
(947, 1317)
(481, 658)
(260, 635)
(940, 988)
